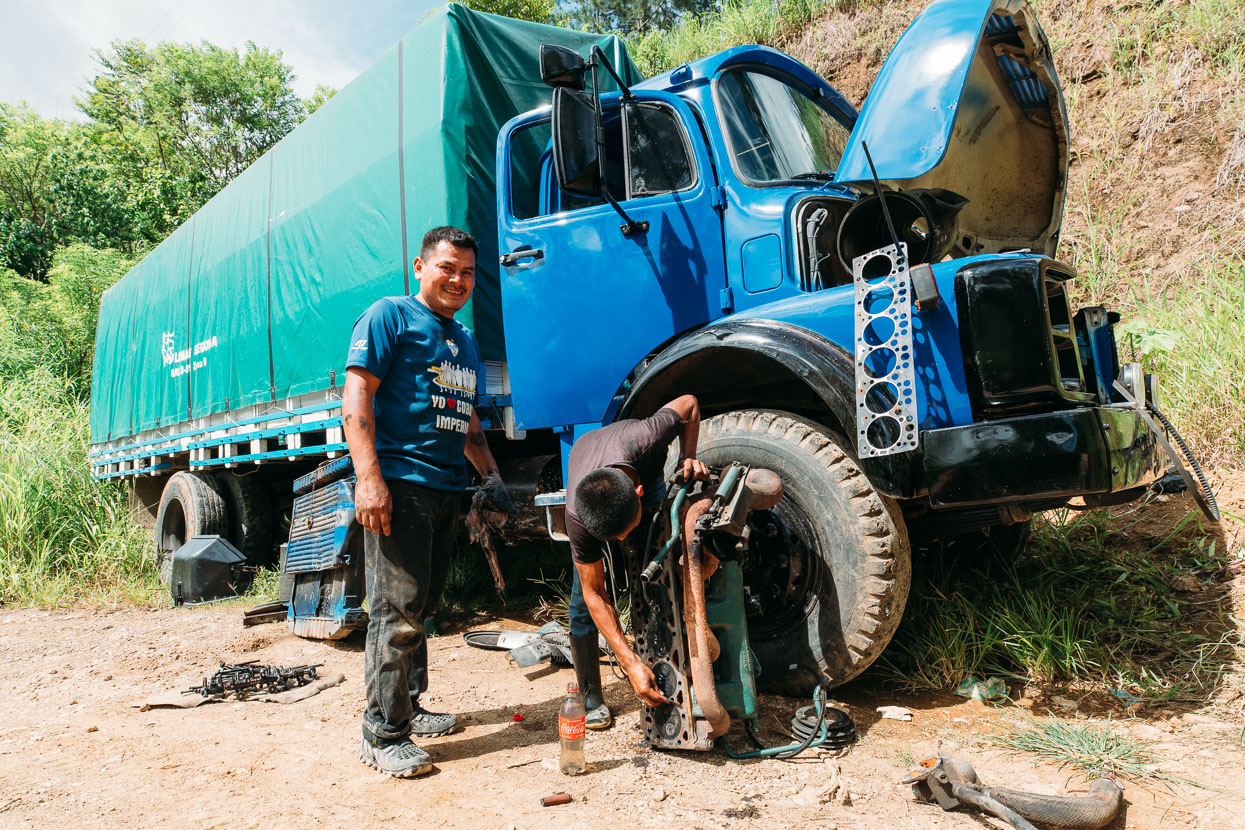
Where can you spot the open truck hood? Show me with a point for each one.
(968, 100)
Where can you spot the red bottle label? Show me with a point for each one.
(570, 729)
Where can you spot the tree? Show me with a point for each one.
(633, 17)
(181, 121)
(28, 161)
(537, 11)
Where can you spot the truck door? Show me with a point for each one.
(583, 303)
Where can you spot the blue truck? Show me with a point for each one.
(868, 303)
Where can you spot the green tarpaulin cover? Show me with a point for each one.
(253, 298)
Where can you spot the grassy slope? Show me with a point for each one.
(1156, 191)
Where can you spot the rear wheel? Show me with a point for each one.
(190, 506)
(828, 569)
(248, 515)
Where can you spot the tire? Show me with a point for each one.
(190, 506)
(248, 516)
(828, 569)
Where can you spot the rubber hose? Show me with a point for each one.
(840, 728)
(1087, 812)
(1188, 454)
(985, 803)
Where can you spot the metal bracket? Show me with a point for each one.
(886, 413)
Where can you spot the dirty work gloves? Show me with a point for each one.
(586, 655)
(496, 498)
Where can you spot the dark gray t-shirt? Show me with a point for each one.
(640, 445)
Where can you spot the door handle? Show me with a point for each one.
(535, 254)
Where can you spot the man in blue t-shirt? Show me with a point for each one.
(409, 417)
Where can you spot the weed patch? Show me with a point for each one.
(1096, 751)
(1078, 607)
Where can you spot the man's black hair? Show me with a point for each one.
(447, 233)
(606, 502)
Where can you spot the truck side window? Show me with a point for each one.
(657, 152)
(654, 159)
(776, 128)
(529, 154)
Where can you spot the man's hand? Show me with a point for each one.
(694, 470)
(373, 507)
(496, 496)
(645, 684)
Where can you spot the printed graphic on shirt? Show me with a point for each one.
(459, 384)
(358, 346)
(449, 341)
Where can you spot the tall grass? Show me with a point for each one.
(63, 537)
(1079, 607)
(751, 21)
(1191, 334)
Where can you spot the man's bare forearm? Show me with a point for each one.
(476, 448)
(359, 427)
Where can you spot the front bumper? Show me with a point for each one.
(1054, 455)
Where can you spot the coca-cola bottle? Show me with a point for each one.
(571, 732)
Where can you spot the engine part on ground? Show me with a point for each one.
(241, 680)
(550, 642)
(924, 221)
(324, 556)
(327, 472)
(265, 613)
(952, 782)
(1204, 496)
(208, 568)
(690, 620)
(886, 411)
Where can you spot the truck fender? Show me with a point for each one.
(748, 363)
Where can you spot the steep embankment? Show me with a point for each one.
(1156, 195)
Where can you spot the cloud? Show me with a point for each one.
(46, 48)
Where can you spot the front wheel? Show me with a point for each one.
(828, 568)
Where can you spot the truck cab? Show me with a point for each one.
(867, 303)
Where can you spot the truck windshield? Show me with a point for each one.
(777, 131)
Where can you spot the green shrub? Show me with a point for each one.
(63, 536)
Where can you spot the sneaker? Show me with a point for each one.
(400, 759)
(425, 724)
(599, 718)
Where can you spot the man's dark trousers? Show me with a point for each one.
(405, 574)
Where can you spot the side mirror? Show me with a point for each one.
(575, 156)
(561, 67)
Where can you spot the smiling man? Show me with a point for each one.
(410, 423)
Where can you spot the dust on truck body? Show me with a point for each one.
(906, 360)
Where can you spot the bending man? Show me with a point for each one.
(612, 473)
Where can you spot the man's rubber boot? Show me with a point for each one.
(586, 656)
(425, 724)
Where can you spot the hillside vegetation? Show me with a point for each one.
(1156, 191)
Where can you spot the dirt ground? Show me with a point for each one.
(75, 751)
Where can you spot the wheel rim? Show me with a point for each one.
(779, 571)
(172, 537)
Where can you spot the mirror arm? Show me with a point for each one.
(599, 57)
(629, 227)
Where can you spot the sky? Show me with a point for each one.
(47, 46)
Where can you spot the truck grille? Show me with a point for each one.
(320, 526)
(1021, 353)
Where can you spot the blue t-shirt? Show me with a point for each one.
(428, 366)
